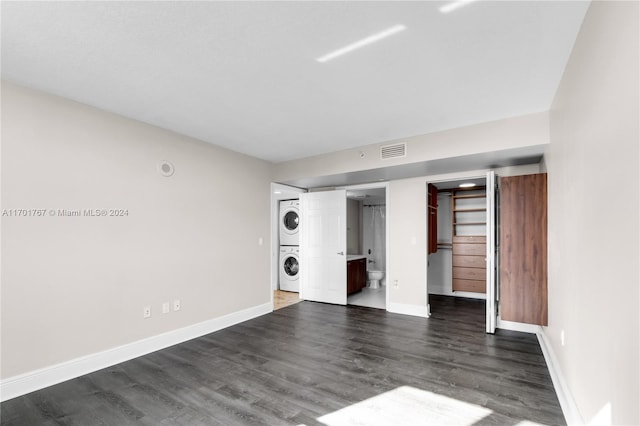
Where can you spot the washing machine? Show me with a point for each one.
(289, 223)
(289, 268)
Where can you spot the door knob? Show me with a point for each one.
(341, 253)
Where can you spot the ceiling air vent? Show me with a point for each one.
(393, 151)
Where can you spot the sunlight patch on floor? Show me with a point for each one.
(407, 405)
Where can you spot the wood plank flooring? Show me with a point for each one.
(282, 299)
(313, 363)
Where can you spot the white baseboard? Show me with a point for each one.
(28, 382)
(518, 326)
(403, 308)
(569, 408)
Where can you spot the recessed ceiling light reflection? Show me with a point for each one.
(361, 43)
(467, 185)
(454, 5)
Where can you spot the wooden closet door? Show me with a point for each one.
(523, 249)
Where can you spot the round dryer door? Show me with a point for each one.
(291, 220)
(290, 266)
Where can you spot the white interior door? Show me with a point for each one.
(492, 238)
(323, 246)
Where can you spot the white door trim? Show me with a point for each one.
(492, 229)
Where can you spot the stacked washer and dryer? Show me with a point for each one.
(289, 245)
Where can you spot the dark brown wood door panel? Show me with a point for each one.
(523, 249)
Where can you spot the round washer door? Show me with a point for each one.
(290, 266)
(290, 221)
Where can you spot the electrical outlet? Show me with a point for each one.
(165, 308)
(146, 312)
(395, 283)
(176, 305)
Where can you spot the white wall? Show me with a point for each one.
(407, 269)
(509, 133)
(592, 166)
(73, 286)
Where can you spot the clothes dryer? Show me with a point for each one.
(289, 223)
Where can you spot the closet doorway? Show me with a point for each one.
(459, 223)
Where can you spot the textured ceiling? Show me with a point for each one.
(243, 75)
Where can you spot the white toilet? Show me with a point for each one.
(373, 278)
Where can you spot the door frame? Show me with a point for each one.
(492, 289)
(378, 185)
(462, 177)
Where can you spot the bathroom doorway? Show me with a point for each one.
(367, 245)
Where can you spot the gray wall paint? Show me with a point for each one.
(72, 286)
(407, 268)
(593, 248)
(509, 133)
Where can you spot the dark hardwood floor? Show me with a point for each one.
(308, 360)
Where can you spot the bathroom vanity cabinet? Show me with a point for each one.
(356, 275)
